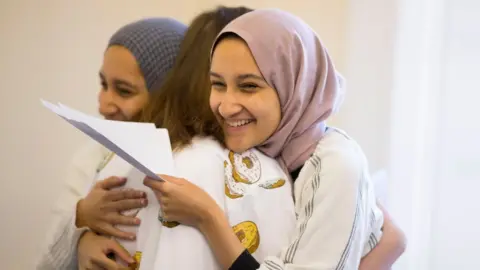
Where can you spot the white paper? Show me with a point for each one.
(141, 144)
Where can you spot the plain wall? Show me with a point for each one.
(433, 163)
(455, 221)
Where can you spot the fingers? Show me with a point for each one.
(126, 204)
(111, 182)
(166, 178)
(105, 263)
(153, 184)
(123, 194)
(112, 231)
(171, 179)
(161, 189)
(119, 219)
(94, 266)
(120, 252)
(159, 186)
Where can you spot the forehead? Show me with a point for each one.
(119, 63)
(233, 55)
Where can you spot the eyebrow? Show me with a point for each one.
(241, 77)
(118, 81)
(215, 75)
(124, 83)
(251, 76)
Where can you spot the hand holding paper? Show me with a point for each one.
(144, 147)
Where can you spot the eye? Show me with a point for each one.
(103, 85)
(249, 87)
(124, 92)
(217, 84)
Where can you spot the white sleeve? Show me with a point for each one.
(60, 248)
(332, 216)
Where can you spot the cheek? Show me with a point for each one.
(133, 107)
(268, 109)
(104, 101)
(214, 101)
(277, 113)
(101, 96)
(270, 118)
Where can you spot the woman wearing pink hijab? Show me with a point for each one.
(273, 87)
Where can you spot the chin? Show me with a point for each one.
(237, 147)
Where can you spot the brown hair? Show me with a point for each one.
(181, 105)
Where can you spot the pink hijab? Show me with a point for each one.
(293, 60)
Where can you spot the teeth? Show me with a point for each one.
(238, 123)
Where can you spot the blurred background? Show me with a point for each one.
(412, 103)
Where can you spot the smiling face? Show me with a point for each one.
(246, 107)
(123, 92)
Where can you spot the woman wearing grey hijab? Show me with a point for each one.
(135, 63)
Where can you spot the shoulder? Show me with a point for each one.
(206, 144)
(338, 159)
(89, 156)
(337, 151)
(91, 148)
(201, 163)
(201, 149)
(337, 168)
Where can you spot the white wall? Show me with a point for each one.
(433, 190)
(369, 54)
(455, 220)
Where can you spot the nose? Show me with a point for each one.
(106, 103)
(229, 105)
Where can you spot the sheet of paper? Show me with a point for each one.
(141, 144)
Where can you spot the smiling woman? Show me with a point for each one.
(135, 63)
(277, 101)
(245, 105)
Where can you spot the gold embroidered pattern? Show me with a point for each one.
(105, 161)
(248, 234)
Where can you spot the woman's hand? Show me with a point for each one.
(188, 204)
(93, 251)
(182, 201)
(101, 209)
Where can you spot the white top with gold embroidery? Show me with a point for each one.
(259, 202)
(263, 209)
(265, 193)
(262, 215)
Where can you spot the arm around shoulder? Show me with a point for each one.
(391, 246)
